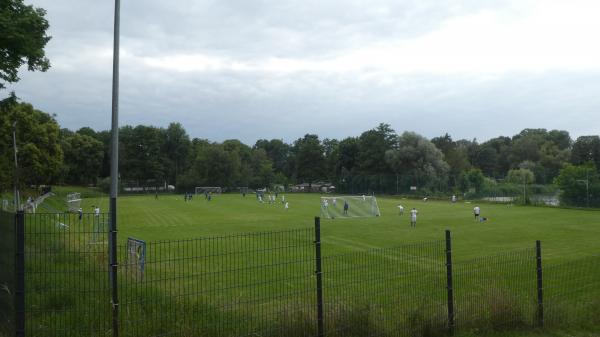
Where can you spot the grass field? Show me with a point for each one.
(184, 281)
(564, 233)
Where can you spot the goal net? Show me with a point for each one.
(73, 201)
(349, 207)
(207, 189)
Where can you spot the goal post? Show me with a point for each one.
(208, 189)
(345, 206)
(73, 201)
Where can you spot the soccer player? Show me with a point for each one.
(453, 198)
(413, 217)
(260, 199)
(156, 195)
(287, 206)
(425, 199)
(401, 209)
(325, 203)
(334, 202)
(346, 206)
(476, 212)
(80, 214)
(96, 215)
(364, 198)
(283, 199)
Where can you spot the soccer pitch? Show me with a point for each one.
(565, 233)
(232, 285)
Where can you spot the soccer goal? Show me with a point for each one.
(73, 201)
(364, 206)
(207, 189)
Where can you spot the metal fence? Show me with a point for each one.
(66, 275)
(7, 272)
(274, 284)
(237, 285)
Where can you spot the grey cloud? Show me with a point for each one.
(249, 105)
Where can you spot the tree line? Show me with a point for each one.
(379, 159)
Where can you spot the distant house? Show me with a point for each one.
(319, 186)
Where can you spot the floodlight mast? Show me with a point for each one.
(587, 186)
(16, 175)
(114, 172)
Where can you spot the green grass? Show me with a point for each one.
(566, 234)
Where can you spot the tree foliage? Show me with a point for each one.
(580, 185)
(417, 158)
(520, 176)
(40, 155)
(22, 40)
(378, 160)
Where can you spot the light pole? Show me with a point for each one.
(16, 175)
(524, 188)
(587, 186)
(114, 172)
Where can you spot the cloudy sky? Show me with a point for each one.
(279, 69)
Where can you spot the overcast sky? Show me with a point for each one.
(279, 69)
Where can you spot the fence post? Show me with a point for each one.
(449, 283)
(319, 274)
(20, 274)
(540, 284)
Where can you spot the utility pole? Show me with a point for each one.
(16, 175)
(587, 186)
(524, 188)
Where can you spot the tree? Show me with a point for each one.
(579, 184)
(309, 158)
(262, 169)
(456, 154)
(278, 152)
(82, 158)
(142, 155)
(372, 146)
(585, 149)
(177, 146)
(331, 152)
(347, 155)
(214, 166)
(22, 40)
(38, 140)
(418, 158)
(472, 178)
(520, 176)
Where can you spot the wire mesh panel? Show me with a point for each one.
(397, 291)
(7, 272)
(496, 292)
(259, 284)
(572, 292)
(66, 268)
